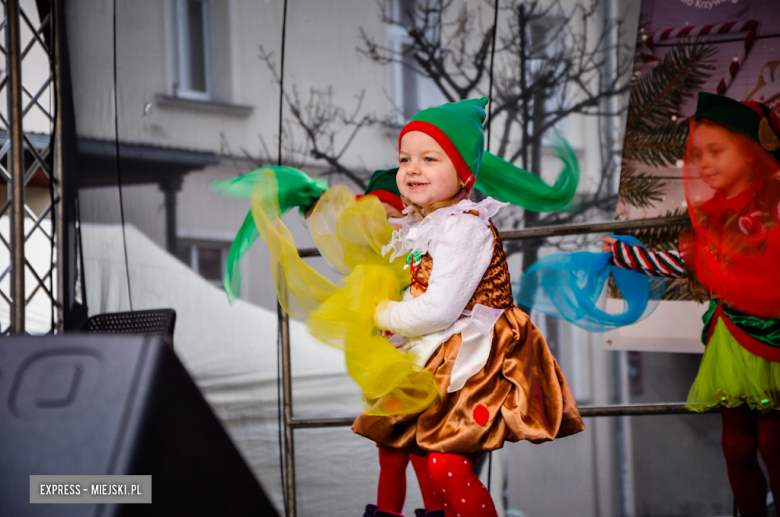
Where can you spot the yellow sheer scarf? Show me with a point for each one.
(350, 234)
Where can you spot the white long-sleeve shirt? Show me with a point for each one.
(461, 246)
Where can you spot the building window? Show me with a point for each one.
(191, 18)
(544, 37)
(410, 78)
(410, 89)
(208, 259)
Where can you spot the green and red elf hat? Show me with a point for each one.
(382, 185)
(753, 119)
(457, 128)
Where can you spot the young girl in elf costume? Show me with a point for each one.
(732, 187)
(495, 376)
(452, 372)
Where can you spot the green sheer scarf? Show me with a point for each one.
(509, 183)
(295, 189)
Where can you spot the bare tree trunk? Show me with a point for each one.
(523, 81)
(531, 247)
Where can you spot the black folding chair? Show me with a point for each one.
(155, 322)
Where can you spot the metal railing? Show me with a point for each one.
(290, 424)
(666, 408)
(572, 229)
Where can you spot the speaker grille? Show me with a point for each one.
(144, 323)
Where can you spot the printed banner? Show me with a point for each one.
(730, 47)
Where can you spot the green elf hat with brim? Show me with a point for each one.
(382, 185)
(751, 118)
(457, 128)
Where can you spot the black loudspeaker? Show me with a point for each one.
(96, 405)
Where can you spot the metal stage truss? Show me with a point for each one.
(26, 161)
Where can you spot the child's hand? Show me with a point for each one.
(382, 314)
(608, 242)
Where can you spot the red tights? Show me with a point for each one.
(392, 480)
(746, 433)
(447, 481)
(454, 480)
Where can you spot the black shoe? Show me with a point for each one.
(428, 513)
(373, 511)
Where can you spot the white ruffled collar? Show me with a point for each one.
(417, 234)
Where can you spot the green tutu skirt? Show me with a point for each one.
(730, 376)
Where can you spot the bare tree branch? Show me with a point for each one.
(322, 124)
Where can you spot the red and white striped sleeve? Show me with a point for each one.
(668, 264)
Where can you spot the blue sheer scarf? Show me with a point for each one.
(570, 286)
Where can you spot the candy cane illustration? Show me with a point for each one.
(749, 27)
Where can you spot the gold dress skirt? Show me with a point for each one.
(520, 394)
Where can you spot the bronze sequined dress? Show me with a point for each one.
(520, 394)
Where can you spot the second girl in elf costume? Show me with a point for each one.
(731, 176)
(471, 370)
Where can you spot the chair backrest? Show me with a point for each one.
(155, 322)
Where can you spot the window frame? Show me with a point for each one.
(182, 52)
(397, 39)
(425, 92)
(538, 52)
(188, 252)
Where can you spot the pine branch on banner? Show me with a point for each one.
(639, 189)
(655, 136)
(658, 146)
(656, 97)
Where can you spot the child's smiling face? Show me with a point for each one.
(719, 160)
(426, 175)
